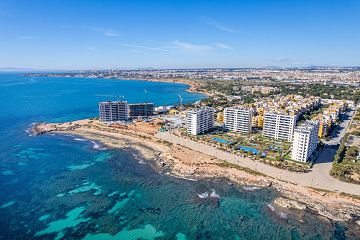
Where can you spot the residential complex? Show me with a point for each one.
(220, 117)
(199, 121)
(141, 109)
(279, 126)
(238, 119)
(329, 116)
(255, 88)
(326, 75)
(305, 141)
(288, 105)
(111, 111)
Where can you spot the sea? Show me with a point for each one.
(57, 186)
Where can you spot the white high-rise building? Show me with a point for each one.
(305, 141)
(111, 111)
(199, 121)
(238, 119)
(279, 126)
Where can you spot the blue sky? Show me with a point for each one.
(90, 34)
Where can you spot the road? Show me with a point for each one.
(318, 178)
(323, 164)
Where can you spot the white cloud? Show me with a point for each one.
(91, 48)
(110, 33)
(223, 46)
(177, 46)
(190, 47)
(143, 47)
(217, 25)
(104, 31)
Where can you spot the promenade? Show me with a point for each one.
(318, 177)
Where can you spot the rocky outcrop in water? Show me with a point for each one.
(42, 128)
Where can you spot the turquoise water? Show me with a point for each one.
(56, 186)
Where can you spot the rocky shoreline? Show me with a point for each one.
(175, 160)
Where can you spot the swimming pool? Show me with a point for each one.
(248, 149)
(222, 140)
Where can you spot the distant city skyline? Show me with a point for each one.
(80, 35)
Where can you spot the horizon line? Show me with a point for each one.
(14, 69)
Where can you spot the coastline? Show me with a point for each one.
(193, 84)
(174, 159)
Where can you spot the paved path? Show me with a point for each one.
(323, 164)
(318, 178)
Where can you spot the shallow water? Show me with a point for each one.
(55, 186)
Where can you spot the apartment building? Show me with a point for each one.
(238, 119)
(279, 126)
(220, 117)
(111, 111)
(199, 121)
(255, 88)
(141, 109)
(305, 141)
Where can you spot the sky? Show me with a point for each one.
(133, 34)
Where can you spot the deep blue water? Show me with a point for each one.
(56, 186)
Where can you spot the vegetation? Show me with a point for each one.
(345, 166)
(226, 87)
(323, 91)
(277, 152)
(346, 172)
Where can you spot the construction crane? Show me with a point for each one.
(181, 101)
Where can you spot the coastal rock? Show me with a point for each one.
(287, 203)
(332, 213)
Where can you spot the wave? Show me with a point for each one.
(213, 194)
(203, 195)
(283, 215)
(185, 178)
(28, 131)
(271, 207)
(250, 188)
(97, 146)
(136, 157)
(80, 139)
(206, 194)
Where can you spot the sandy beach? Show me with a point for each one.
(183, 162)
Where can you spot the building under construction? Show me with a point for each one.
(141, 109)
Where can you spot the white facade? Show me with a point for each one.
(199, 121)
(238, 119)
(305, 141)
(113, 111)
(279, 126)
